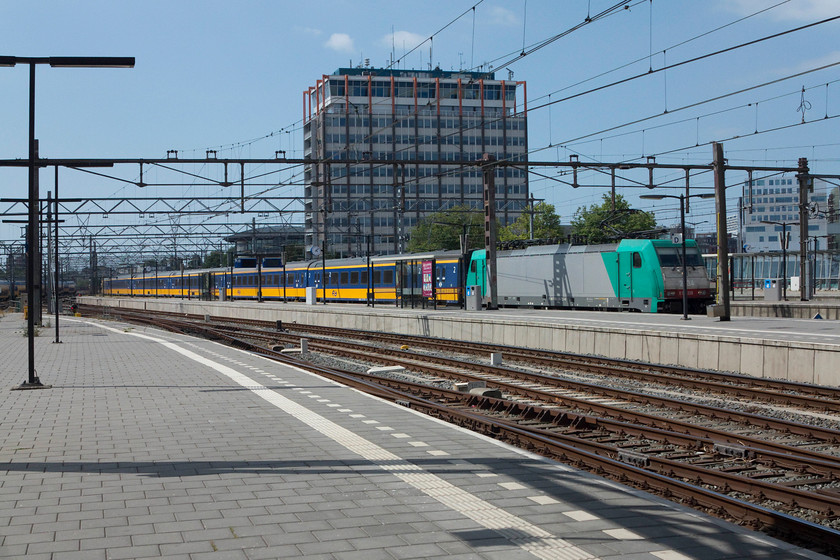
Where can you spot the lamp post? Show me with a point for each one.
(681, 198)
(784, 243)
(32, 229)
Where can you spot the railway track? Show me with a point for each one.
(789, 478)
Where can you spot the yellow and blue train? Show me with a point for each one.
(430, 277)
(646, 275)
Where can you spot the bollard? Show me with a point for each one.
(279, 325)
(304, 345)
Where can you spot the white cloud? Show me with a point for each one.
(310, 31)
(340, 42)
(823, 60)
(502, 16)
(795, 10)
(402, 40)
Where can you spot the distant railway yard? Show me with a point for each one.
(763, 453)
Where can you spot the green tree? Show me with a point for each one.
(600, 223)
(218, 259)
(442, 230)
(546, 225)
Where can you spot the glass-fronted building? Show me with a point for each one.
(357, 118)
(776, 199)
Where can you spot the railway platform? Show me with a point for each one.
(151, 444)
(803, 350)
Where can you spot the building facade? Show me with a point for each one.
(385, 147)
(776, 199)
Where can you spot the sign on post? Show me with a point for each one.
(427, 269)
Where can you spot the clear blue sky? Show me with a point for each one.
(226, 75)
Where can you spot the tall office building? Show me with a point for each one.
(776, 199)
(358, 116)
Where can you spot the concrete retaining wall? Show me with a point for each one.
(794, 361)
(793, 310)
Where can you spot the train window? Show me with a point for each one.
(388, 277)
(344, 279)
(364, 278)
(637, 260)
(354, 277)
(693, 258)
(473, 266)
(668, 257)
(377, 277)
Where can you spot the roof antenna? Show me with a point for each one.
(393, 47)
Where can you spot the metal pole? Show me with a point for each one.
(259, 279)
(31, 238)
(684, 265)
(722, 237)
(804, 273)
(324, 268)
(784, 261)
(369, 274)
(57, 279)
(489, 172)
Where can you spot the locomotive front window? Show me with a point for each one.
(637, 260)
(693, 258)
(668, 257)
(672, 256)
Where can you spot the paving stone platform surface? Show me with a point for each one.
(151, 445)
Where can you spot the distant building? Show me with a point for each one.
(777, 200)
(707, 243)
(269, 240)
(833, 219)
(360, 114)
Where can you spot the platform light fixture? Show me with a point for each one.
(33, 226)
(681, 198)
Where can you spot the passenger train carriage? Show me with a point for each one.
(636, 275)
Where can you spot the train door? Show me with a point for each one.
(399, 282)
(476, 273)
(206, 286)
(625, 278)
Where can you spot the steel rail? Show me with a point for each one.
(689, 377)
